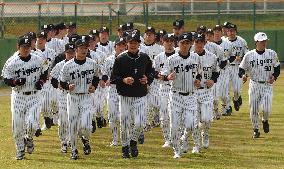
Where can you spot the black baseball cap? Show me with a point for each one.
(129, 26)
(217, 28)
(60, 26)
(201, 29)
(150, 29)
(24, 41)
(73, 38)
(199, 37)
(31, 35)
(69, 46)
(209, 31)
(168, 37)
(185, 37)
(232, 26)
(119, 41)
(46, 27)
(104, 29)
(72, 25)
(162, 32)
(51, 26)
(179, 23)
(82, 42)
(94, 32)
(122, 27)
(41, 34)
(134, 36)
(226, 24)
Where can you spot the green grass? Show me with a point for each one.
(231, 145)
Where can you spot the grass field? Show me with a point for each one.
(231, 145)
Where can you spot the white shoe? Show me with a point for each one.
(205, 140)
(113, 144)
(195, 150)
(167, 144)
(177, 155)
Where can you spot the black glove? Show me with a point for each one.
(104, 78)
(39, 85)
(20, 82)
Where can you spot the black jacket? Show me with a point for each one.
(135, 66)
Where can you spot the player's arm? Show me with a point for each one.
(9, 79)
(150, 72)
(276, 67)
(64, 78)
(54, 76)
(116, 76)
(215, 72)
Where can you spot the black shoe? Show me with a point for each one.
(125, 152)
(104, 122)
(94, 126)
(133, 148)
(99, 122)
(20, 155)
(265, 126)
(48, 122)
(64, 147)
(141, 138)
(236, 105)
(228, 112)
(86, 146)
(74, 154)
(38, 132)
(30, 145)
(256, 133)
(240, 100)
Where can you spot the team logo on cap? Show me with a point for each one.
(42, 33)
(71, 46)
(184, 36)
(121, 39)
(199, 36)
(83, 38)
(45, 26)
(177, 23)
(94, 31)
(133, 35)
(149, 27)
(73, 39)
(26, 40)
(104, 27)
(128, 24)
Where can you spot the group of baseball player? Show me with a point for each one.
(172, 80)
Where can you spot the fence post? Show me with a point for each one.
(118, 15)
(144, 12)
(183, 8)
(254, 15)
(110, 19)
(147, 14)
(2, 20)
(75, 12)
(39, 16)
(219, 11)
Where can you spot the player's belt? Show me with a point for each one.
(28, 93)
(201, 88)
(261, 82)
(182, 93)
(233, 64)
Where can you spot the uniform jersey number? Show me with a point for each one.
(267, 68)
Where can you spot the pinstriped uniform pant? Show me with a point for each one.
(132, 117)
(49, 100)
(153, 101)
(113, 112)
(182, 110)
(164, 110)
(79, 109)
(237, 82)
(63, 116)
(100, 96)
(260, 95)
(223, 82)
(25, 116)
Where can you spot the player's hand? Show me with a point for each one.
(197, 83)
(128, 80)
(238, 59)
(102, 83)
(271, 79)
(209, 83)
(245, 78)
(108, 83)
(160, 76)
(39, 85)
(71, 87)
(172, 76)
(20, 82)
(92, 89)
(143, 80)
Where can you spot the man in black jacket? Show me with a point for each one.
(132, 73)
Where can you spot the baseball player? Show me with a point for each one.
(264, 68)
(80, 76)
(178, 29)
(120, 30)
(113, 99)
(209, 34)
(159, 63)
(224, 79)
(209, 71)
(53, 43)
(182, 69)
(105, 45)
(62, 97)
(132, 73)
(26, 74)
(71, 28)
(240, 47)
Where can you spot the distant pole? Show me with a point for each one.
(254, 15)
(191, 6)
(219, 11)
(228, 6)
(2, 21)
(264, 6)
(121, 7)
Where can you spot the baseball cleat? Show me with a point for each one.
(86, 146)
(38, 132)
(133, 148)
(177, 155)
(195, 150)
(205, 140)
(240, 100)
(167, 144)
(125, 152)
(265, 126)
(64, 147)
(141, 138)
(99, 122)
(74, 154)
(94, 126)
(30, 145)
(236, 105)
(20, 155)
(48, 122)
(256, 133)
